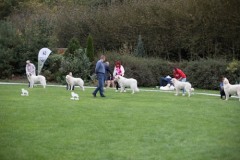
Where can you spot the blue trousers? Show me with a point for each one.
(101, 79)
(184, 80)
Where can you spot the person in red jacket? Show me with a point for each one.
(179, 75)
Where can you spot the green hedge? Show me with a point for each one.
(204, 74)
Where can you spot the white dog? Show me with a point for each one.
(36, 79)
(74, 96)
(231, 89)
(127, 82)
(182, 85)
(24, 92)
(71, 81)
(168, 87)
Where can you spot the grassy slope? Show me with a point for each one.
(147, 125)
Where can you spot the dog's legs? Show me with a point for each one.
(31, 84)
(83, 88)
(189, 93)
(177, 90)
(133, 91)
(43, 84)
(238, 94)
(227, 96)
(122, 88)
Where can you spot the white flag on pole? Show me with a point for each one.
(42, 57)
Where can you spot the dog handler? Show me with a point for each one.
(179, 75)
(118, 70)
(30, 70)
(100, 71)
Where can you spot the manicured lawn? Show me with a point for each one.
(150, 125)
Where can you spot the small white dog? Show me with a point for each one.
(71, 81)
(24, 92)
(74, 96)
(127, 82)
(168, 87)
(231, 89)
(36, 79)
(182, 85)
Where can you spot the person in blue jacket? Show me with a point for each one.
(100, 72)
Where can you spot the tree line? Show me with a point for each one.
(174, 30)
(171, 30)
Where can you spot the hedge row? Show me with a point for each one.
(204, 74)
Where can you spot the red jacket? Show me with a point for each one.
(178, 73)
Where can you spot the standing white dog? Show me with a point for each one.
(127, 82)
(71, 81)
(182, 85)
(231, 89)
(37, 79)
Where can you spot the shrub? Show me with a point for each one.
(90, 49)
(204, 74)
(234, 68)
(139, 51)
(52, 66)
(72, 47)
(79, 65)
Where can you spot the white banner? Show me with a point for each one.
(42, 57)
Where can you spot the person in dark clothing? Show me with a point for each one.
(100, 71)
(108, 76)
(165, 80)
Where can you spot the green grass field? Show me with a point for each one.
(47, 125)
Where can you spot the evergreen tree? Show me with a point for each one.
(72, 47)
(90, 49)
(139, 51)
(78, 64)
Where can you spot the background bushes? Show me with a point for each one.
(200, 37)
(205, 73)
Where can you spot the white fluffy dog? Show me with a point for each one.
(24, 92)
(37, 79)
(182, 85)
(231, 89)
(74, 96)
(71, 81)
(168, 87)
(127, 82)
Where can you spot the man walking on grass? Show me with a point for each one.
(100, 71)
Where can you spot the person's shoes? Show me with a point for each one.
(94, 95)
(103, 95)
(116, 91)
